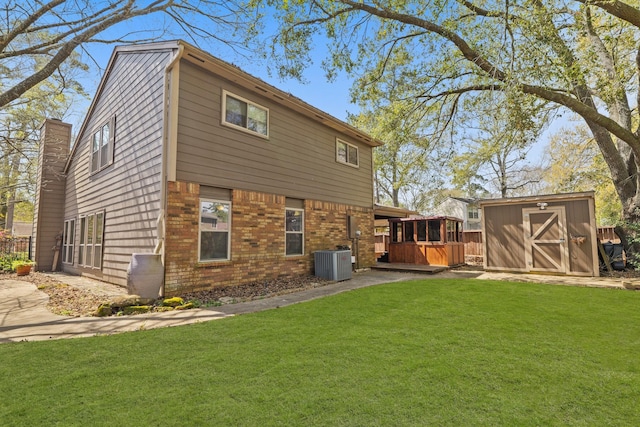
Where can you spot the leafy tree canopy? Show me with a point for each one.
(578, 55)
(576, 164)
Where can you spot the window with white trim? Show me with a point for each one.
(215, 229)
(68, 240)
(473, 212)
(245, 115)
(346, 153)
(294, 231)
(91, 236)
(102, 142)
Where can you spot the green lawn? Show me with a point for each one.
(432, 352)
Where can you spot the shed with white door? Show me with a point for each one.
(553, 234)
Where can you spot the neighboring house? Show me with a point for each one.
(21, 229)
(231, 179)
(466, 209)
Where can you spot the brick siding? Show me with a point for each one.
(257, 239)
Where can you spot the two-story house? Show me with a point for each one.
(229, 178)
(463, 208)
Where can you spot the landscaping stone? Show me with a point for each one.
(104, 310)
(137, 309)
(125, 301)
(186, 306)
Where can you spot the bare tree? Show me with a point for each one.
(27, 58)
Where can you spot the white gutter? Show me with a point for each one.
(169, 141)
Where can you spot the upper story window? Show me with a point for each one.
(346, 153)
(102, 142)
(473, 212)
(245, 115)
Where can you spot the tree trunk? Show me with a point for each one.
(623, 167)
(14, 177)
(629, 234)
(10, 209)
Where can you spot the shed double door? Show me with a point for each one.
(545, 239)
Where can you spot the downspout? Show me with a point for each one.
(169, 142)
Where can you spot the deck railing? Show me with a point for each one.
(606, 234)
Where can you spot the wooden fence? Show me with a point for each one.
(472, 243)
(382, 243)
(15, 248)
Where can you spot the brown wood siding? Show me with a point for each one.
(579, 225)
(504, 237)
(129, 190)
(426, 253)
(298, 160)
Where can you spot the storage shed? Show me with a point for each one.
(434, 240)
(547, 234)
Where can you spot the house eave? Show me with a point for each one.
(160, 46)
(231, 73)
(541, 198)
(385, 212)
(236, 75)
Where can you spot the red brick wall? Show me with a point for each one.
(326, 227)
(257, 239)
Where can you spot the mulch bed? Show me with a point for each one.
(67, 300)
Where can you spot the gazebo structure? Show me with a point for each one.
(382, 215)
(433, 240)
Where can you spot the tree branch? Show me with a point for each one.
(583, 105)
(75, 27)
(618, 9)
(22, 27)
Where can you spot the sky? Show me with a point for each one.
(330, 97)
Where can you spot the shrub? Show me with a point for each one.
(173, 302)
(6, 262)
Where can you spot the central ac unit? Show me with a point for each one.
(333, 265)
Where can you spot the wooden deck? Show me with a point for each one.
(413, 268)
